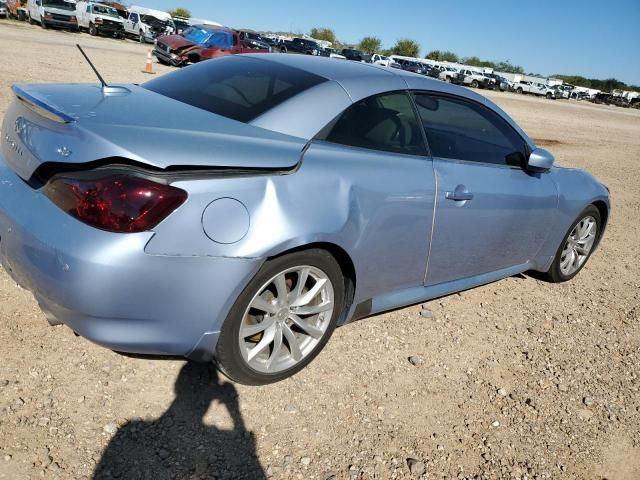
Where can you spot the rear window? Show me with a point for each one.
(240, 88)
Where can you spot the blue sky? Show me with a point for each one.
(593, 39)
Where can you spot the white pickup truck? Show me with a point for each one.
(378, 59)
(99, 19)
(146, 24)
(536, 89)
(447, 74)
(473, 78)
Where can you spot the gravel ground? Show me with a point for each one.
(517, 379)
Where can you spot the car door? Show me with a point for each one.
(130, 23)
(84, 16)
(491, 213)
(375, 152)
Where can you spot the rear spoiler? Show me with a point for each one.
(41, 107)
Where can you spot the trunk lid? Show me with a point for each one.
(81, 123)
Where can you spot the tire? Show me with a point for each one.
(31, 22)
(141, 38)
(520, 91)
(548, 95)
(555, 274)
(43, 24)
(93, 31)
(283, 49)
(231, 349)
(448, 79)
(474, 84)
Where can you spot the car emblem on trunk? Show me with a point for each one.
(63, 151)
(13, 145)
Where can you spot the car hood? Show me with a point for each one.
(141, 126)
(60, 11)
(107, 17)
(176, 42)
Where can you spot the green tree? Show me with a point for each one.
(508, 67)
(322, 33)
(433, 55)
(180, 12)
(406, 47)
(441, 56)
(370, 45)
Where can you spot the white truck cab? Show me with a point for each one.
(98, 18)
(378, 59)
(536, 89)
(146, 24)
(53, 13)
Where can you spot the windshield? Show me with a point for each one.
(104, 10)
(196, 35)
(61, 4)
(181, 24)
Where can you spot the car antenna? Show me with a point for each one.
(108, 89)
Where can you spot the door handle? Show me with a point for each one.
(458, 196)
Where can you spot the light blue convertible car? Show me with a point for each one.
(237, 210)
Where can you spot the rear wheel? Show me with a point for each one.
(576, 247)
(282, 319)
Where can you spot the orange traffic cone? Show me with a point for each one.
(148, 68)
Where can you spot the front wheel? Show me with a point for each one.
(43, 24)
(141, 38)
(474, 84)
(93, 31)
(576, 247)
(282, 319)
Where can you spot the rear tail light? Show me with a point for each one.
(115, 202)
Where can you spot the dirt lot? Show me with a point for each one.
(520, 379)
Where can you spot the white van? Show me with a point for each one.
(53, 13)
(146, 24)
(99, 19)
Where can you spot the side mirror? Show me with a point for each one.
(540, 160)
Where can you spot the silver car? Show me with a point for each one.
(239, 209)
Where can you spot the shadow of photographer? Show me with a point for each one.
(179, 444)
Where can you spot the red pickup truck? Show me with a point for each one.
(201, 42)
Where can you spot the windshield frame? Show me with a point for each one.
(60, 4)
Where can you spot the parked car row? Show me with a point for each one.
(180, 41)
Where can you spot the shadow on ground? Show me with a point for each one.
(179, 444)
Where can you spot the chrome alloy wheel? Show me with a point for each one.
(578, 245)
(286, 319)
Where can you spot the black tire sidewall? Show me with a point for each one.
(228, 357)
(555, 274)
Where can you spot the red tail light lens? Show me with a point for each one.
(115, 202)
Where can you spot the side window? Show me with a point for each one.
(88, 8)
(134, 17)
(382, 122)
(464, 130)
